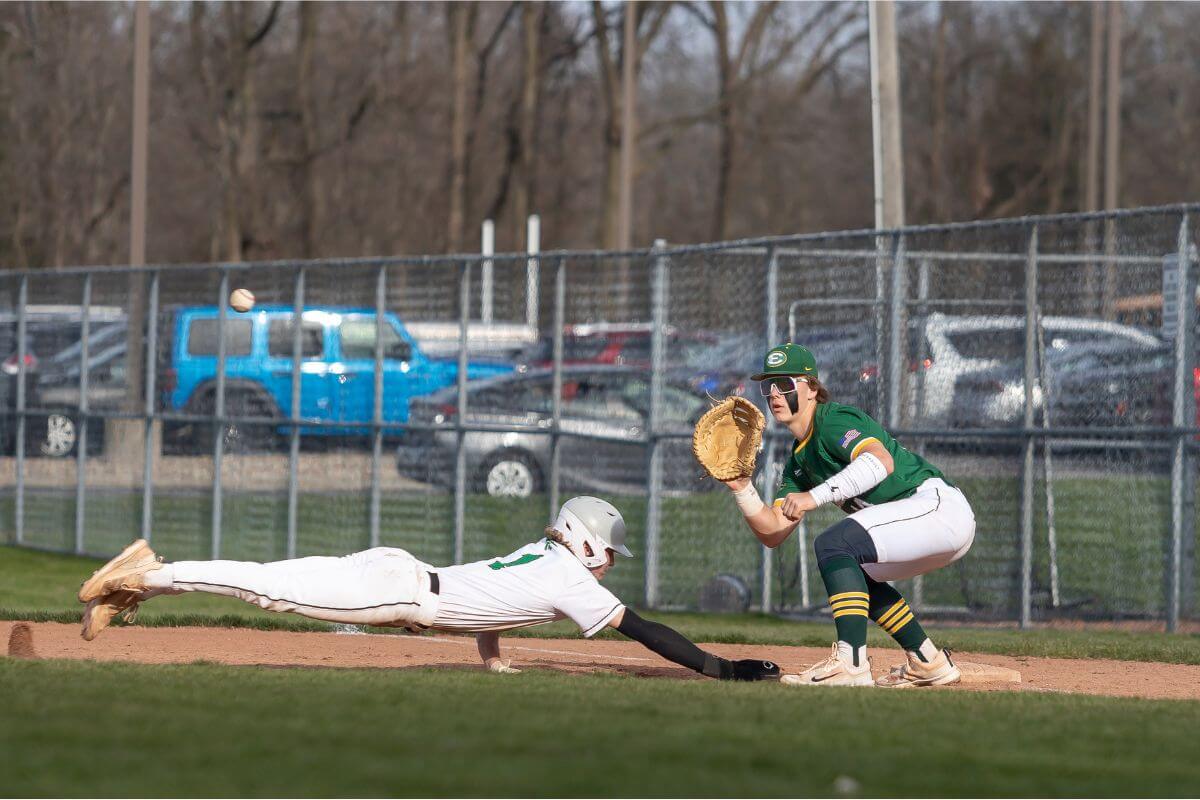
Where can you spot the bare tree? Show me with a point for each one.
(524, 195)
(649, 18)
(311, 189)
(460, 24)
(224, 63)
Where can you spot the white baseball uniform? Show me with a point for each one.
(538, 583)
(926, 531)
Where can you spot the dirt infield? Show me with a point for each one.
(285, 649)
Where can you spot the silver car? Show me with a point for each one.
(603, 425)
(958, 347)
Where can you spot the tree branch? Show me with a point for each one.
(264, 28)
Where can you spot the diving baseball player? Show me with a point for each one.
(905, 519)
(554, 578)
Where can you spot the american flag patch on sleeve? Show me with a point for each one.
(850, 436)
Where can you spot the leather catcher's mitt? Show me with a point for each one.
(727, 438)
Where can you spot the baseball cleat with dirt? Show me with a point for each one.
(125, 571)
(100, 612)
(833, 671)
(916, 672)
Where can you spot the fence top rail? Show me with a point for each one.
(762, 245)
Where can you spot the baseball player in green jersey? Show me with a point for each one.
(904, 519)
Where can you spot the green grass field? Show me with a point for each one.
(113, 730)
(77, 728)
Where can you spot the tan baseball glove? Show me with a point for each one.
(727, 438)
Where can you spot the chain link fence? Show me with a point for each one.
(447, 405)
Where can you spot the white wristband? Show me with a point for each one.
(860, 476)
(748, 501)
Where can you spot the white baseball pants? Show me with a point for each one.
(381, 586)
(933, 528)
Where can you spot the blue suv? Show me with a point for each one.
(337, 369)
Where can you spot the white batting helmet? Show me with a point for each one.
(591, 527)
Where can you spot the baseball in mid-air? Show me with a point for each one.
(241, 300)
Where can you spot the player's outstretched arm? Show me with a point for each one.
(769, 523)
(674, 646)
(488, 643)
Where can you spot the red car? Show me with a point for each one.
(621, 344)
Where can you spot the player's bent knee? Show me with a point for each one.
(845, 539)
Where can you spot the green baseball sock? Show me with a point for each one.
(889, 609)
(846, 584)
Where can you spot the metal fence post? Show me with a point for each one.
(85, 332)
(1183, 418)
(377, 403)
(297, 383)
(880, 299)
(486, 276)
(219, 414)
(768, 463)
(560, 301)
(533, 244)
(1027, 475)
(896, 331)
(460, 455)
(150, 374)
(1048, 462)
(918, 390)
(22, 349)
(658, 315)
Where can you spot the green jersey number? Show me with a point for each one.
(516, 562)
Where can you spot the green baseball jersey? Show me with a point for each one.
(839, 433)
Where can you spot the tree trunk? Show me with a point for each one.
(310, 189)
(459, 25)
(937, 136)
(612, 130)
(524, 191)
(725, 123)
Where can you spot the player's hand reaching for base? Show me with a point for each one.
(488, 643)
(797, 504)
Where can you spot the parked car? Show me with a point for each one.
(619, 344)
(604, 414)
(52, 334)
(58, 390)
(956, 348)
(497, 341)
(337, 373)
(1093, 384)
(1120, 388)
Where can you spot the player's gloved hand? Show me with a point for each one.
(755, 669)
(747, 669)
(502, 667)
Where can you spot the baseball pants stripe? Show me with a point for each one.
(927, 531)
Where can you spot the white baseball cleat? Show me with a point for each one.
(833, 671)
(126, 571)
(916, 672)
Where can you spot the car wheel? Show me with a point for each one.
(239, 437)
(511, 475)
(60, 438)
(242, 438)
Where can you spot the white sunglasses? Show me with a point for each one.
(785, 384)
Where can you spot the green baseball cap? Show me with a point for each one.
(787, 359)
